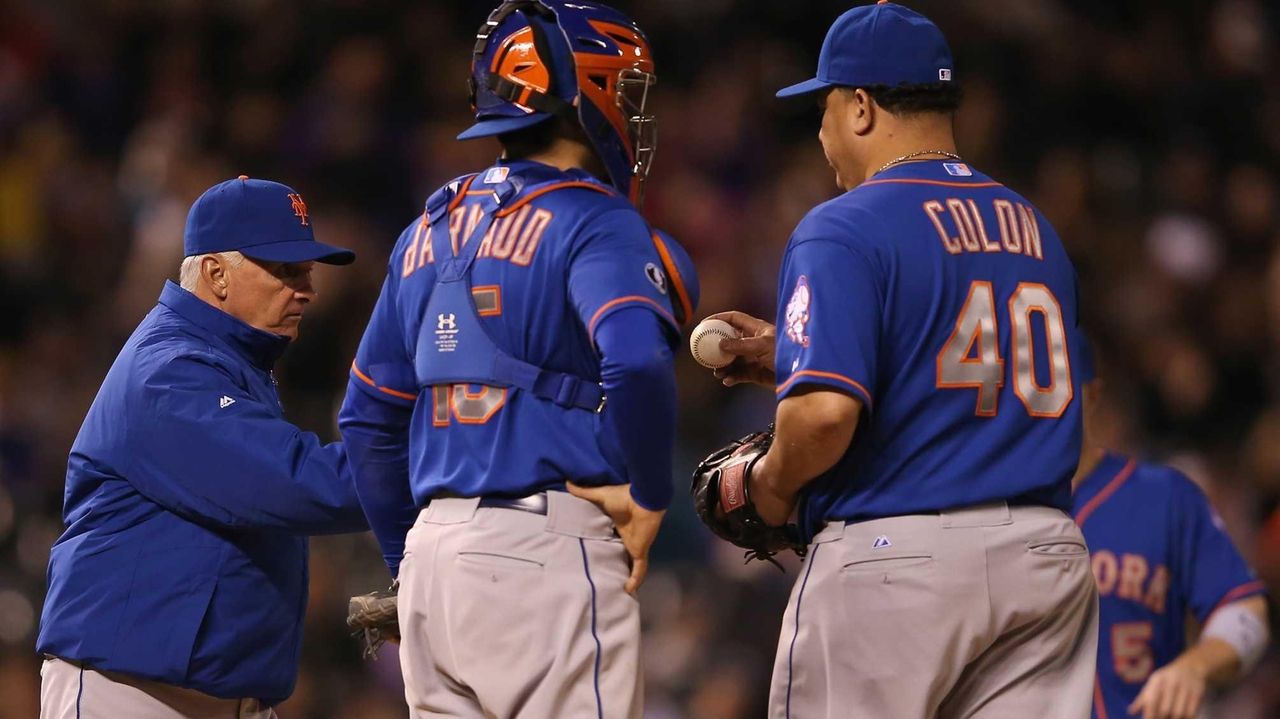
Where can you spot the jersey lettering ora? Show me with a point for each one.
(946, 303)
(1159, 554)
(546, 273)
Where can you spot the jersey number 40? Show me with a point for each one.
(970, 359)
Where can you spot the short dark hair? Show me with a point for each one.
(527, 141)
(905, 100)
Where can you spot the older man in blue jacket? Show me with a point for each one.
(179, 586)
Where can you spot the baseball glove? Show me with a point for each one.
(723, 503)
(374, 618)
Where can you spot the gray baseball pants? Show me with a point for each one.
(505, 614)
(69, 691)
(986, 612)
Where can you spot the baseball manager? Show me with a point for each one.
(179, 586)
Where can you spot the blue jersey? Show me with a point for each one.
(557, 259)
(1159, 555)
(946, 303)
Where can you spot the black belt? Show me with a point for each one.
(534, 503)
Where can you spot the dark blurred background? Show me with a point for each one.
(1148, 132)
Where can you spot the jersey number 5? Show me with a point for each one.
(1131, 651)
(970, 359)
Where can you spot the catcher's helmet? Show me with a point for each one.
(682, 277)
(584, 62)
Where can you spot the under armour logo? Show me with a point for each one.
(446, 322)
(225, 402)
(299, 207)
(881, 542)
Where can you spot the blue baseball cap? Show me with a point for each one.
(881, 44)
(261, 219)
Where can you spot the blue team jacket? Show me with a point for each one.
(187, 505)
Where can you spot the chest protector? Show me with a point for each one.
(453, 346)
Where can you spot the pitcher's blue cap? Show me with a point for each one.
(260, 219)
(881, 44)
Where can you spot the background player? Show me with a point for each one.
(1159, 553)
(482, 376)
(944, 576)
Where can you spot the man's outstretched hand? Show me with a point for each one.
(753, 351)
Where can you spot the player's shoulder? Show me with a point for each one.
(411, 232)
(580, 196)
(167, 351)
(573, 198)
(1156, 478)
(586, 210)
(845, 219)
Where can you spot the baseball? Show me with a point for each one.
(704, 343)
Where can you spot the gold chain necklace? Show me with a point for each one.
(910, 155)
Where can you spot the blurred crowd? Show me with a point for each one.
(1147, 130)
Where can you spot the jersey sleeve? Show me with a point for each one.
(615, 265)
(383, 369)
(1211, 571)
(828, 323)
(638, 372)
(378, 408)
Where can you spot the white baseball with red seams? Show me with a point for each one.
(704, 343)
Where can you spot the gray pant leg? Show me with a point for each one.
(878, 632)
(70, 692)
(1045, 611)
(892, 627)
(512, 614)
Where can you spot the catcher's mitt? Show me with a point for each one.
(723, 503)
(374, 617)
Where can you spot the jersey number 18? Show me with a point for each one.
(970, 359)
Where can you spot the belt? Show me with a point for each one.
(534, 503)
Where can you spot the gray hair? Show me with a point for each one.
(189, 273)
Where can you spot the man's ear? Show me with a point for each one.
(214, 272)
(862, 112)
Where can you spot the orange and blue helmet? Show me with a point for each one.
(581, 61)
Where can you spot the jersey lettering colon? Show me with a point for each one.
(551, 269)
(1159, 554)
(947, 304)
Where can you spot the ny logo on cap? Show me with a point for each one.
(299, 207)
